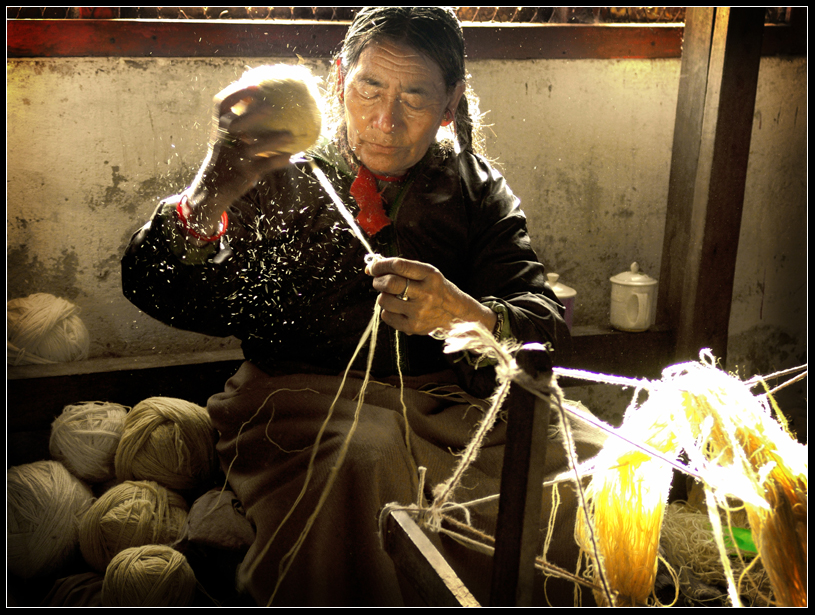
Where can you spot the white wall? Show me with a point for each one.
(94, 144)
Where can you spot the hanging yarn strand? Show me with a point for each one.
(370, 332)
(473, 337)
(288, 559)
(585, 517)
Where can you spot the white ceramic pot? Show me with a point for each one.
(565, 294)
(633, 300)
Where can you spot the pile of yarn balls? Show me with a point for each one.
(145, 462)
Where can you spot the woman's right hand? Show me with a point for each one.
(240, 153)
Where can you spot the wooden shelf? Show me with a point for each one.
(608, 351)
(37, 394)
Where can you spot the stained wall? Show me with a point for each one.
(94, 143)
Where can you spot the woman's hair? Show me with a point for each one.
(433, 31)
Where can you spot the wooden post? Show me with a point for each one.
(517, 535)
(714, 122)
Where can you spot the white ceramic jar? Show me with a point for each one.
(633, 300)
(565, 294)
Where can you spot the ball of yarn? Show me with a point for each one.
(42, 328)
(150, 575)
(85, 438)
(167, 440)
(44, 506)
(291, 91)
(130, 514)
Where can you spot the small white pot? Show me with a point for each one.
(633, 300)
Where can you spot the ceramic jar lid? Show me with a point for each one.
(561, 290)
(633, 277)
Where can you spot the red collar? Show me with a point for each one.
(372, 217)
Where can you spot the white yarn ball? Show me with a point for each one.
(292, 92)
(148, 576)
(42, 328)
(44, 506)
(85, 438)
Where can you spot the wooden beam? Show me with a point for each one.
(52, 38)
(39, 38)
(706, 192)
(572, 41)
(246, 38)
(687, 139)
(419, 560)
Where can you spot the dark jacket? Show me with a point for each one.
(288, 280)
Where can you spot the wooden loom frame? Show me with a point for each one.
(709, 165)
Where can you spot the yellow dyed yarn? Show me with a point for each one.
(736, 430)
(627, 497)
(738, 450)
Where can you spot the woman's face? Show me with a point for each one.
(395, 101)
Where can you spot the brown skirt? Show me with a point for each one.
(268, 427)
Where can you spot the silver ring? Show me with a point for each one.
(404, 296)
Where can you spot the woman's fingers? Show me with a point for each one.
(416, 298)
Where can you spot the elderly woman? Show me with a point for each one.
(254, 248)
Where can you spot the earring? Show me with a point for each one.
(448, 118)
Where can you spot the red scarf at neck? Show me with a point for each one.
(371, 217)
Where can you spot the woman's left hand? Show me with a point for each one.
(417, 299)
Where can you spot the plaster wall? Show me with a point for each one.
(94, 143)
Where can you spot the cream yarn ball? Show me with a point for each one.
(292, 92)
(167, 440)
(130, 514)
(43, 329)
(149, 575)
(85, 438)
(44, 506)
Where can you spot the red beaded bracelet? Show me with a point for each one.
(188, 229)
